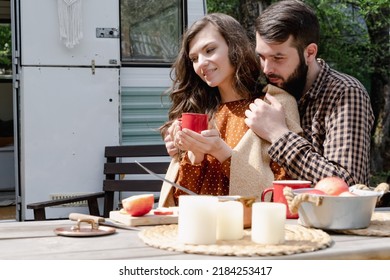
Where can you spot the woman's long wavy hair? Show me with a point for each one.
(189, 93)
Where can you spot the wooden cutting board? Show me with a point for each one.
(147, 220)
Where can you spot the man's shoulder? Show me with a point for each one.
(343, 79)
(334, 79)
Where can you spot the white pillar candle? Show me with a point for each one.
(230, 220)
(197, 223)
(268, 222)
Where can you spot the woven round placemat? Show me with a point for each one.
(379, 226)
(298, 239)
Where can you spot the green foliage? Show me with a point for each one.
(344, 41)
(377, 15)
(380, 177)
(230, 7)
(373, 7)
(5, 46)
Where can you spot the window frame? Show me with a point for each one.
(127, 62)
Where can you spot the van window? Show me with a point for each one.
(150, 31)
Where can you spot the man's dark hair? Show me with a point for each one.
(285, 18)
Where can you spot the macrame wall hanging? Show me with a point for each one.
(70, 20)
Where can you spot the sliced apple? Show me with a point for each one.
(163, 211)
(138, 205)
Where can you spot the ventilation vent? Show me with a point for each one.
(58, 196)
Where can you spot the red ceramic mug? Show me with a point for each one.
(194, 121)
(278, 196)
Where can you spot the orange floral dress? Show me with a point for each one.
(211, 177)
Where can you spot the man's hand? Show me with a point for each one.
(268, 121)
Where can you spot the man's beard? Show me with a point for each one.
(296, 81)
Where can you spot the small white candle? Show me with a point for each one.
(197, 223)
(230, 220)
(268, 222)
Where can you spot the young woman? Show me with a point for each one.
(217, 72)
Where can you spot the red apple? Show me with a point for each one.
(138, 205)
(332, 185)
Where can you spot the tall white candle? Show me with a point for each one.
(230, 220)
(268, 222)
(197, 223)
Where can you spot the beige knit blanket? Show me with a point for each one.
(250, 171)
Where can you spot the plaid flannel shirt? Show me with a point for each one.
(336, 118)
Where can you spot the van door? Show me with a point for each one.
(68, 98)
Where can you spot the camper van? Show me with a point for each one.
(85, 74)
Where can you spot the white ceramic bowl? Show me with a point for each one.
(338, 212)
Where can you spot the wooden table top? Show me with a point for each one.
(36, 240)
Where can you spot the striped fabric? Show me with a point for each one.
(336, 117)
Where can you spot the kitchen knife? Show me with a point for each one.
(221, 197)
(100, 220)
(166, 180)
